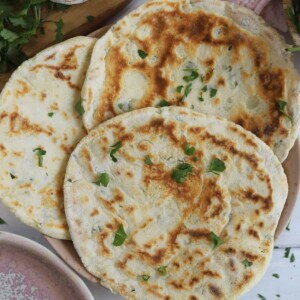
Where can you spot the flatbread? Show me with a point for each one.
(49, 83)
(243, 68)
(169, 223)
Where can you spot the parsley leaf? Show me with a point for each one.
(145, 277)
(293, 49)
(59, 34)
(187, 90)
(247, 263)
(114, 149)
(40, 153)
(182, 172)
(189, 150)
(217, 166)
(79, 108)
(162, 270)
(204, 89)
(148, 160)
(281, 107)
(288, 227)
(8, 35)
(12, 176)
(213, 92)
(287, 252)
(216, 240)
(191, 77)
(50, 114)
(179, 88)
(142, 54)
(90, 18)
(275, 275)
(2, 222)
(120, 236)
(163, 103)
(261, 297)
(103, 179)
(292, 258)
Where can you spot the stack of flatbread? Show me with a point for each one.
(188, 109)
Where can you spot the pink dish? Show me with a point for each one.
(30, 271)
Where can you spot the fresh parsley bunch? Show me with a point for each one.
(19, 21)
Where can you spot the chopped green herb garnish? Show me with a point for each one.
(261, 297)
(145, 277)
(201, 77)
(217, 166)
(163, 103)
(229, 68)
(277, 295)
(142, 54)
(148, 160)
(287, 252)
(281, 107)
(120, 236)
(121, 105)
(103, 179)
(40, 153)
(276, 247)
(247, 263)
(181, 172)
(187, 90)
(293, 49)
(162, 270)
(229, 48)
(179, 88)
(189, 150)
(275, 275)
(114, 149)
(2, 222)
(288, 227)
(217, 241)
(90, 18)
(213, 92)
(200, 98)
(204, 89)
(79, 108)
(191, 77)
(69, 180)
(292, 258)
(50, 114)
(59, 34)
(12, 176)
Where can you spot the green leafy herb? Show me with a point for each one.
(162, 270)
(50, 114)
(229, 68)
(120, 236)
(163, 103)
(121, 105)
(281, 107)
(247, 263)
(114, 149)
(287, 252)
(217, 166)
(293, 49)
(294, 14)
(261, 297)
(201, 77)
(142, 54)
(181, 172)
(148, 160)
(200, 98)
(187, 90)
(292, 258)
(275, 275)
(204, 89)
(59, 27)
(2, 222)
(217, 241)
(212, 92)
(288, 227)
(277, 295)
(103, 179)
(145, 277)
(189, 150)
(276, 247)
(191, 77)
(69, 180)
(90, 18)
(179, 88)
(79, 108)
(40, 153)
(12, 176)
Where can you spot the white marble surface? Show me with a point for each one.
(287, 286)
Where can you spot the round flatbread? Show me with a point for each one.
(39, 127)
(213, 56)
(173, 204)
